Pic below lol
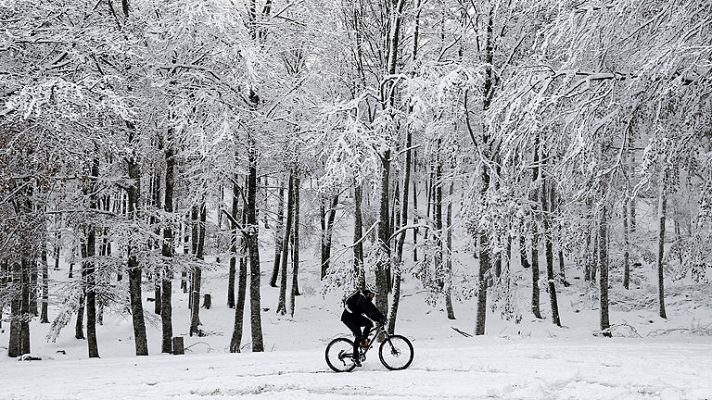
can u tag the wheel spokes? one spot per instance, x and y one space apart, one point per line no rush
339 355
396 353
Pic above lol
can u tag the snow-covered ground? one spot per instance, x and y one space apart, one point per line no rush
657 358
456 368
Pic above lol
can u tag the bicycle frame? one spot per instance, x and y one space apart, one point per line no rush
373 335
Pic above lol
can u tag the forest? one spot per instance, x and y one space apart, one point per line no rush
496 150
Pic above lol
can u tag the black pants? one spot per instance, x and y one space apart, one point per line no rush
356 322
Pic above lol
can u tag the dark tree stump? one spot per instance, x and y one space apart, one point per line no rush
178 346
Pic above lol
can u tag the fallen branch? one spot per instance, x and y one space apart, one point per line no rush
632 331
463 333
209 348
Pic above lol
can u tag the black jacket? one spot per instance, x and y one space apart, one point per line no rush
359 304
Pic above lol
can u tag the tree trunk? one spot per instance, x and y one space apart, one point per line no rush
603 266
383 262
19 342
360 272
484 265
384 233
295 249
91 295
448 262
556 210
594 265
278 238
27 262
626 246
484 259
282 305
90 268
156 203
632 199
33 307
57 252
134 269
535 236
438 217
236 340
415 216
254 250
15 343
662 214
198 270
104 252
44 318
523 249
185 240
626 227
328 231
400 241
79 326
549 244
194 234
234 247
4 279
167 251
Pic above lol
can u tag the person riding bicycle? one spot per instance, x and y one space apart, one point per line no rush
359 312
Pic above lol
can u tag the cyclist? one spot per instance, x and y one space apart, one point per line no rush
359 312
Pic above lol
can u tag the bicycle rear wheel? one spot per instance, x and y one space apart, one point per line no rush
339 355
396 352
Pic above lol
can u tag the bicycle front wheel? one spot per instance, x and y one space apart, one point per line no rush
339 355
396 352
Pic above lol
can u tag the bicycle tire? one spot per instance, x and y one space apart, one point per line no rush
335 345
396 345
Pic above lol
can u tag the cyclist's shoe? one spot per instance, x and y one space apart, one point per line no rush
365 343
357 362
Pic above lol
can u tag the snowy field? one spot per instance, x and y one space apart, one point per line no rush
454 369
651 358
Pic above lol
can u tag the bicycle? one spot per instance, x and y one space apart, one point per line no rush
395 351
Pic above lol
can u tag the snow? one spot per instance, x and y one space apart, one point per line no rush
464 368
657 358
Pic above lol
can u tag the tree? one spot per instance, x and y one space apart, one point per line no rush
168 249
